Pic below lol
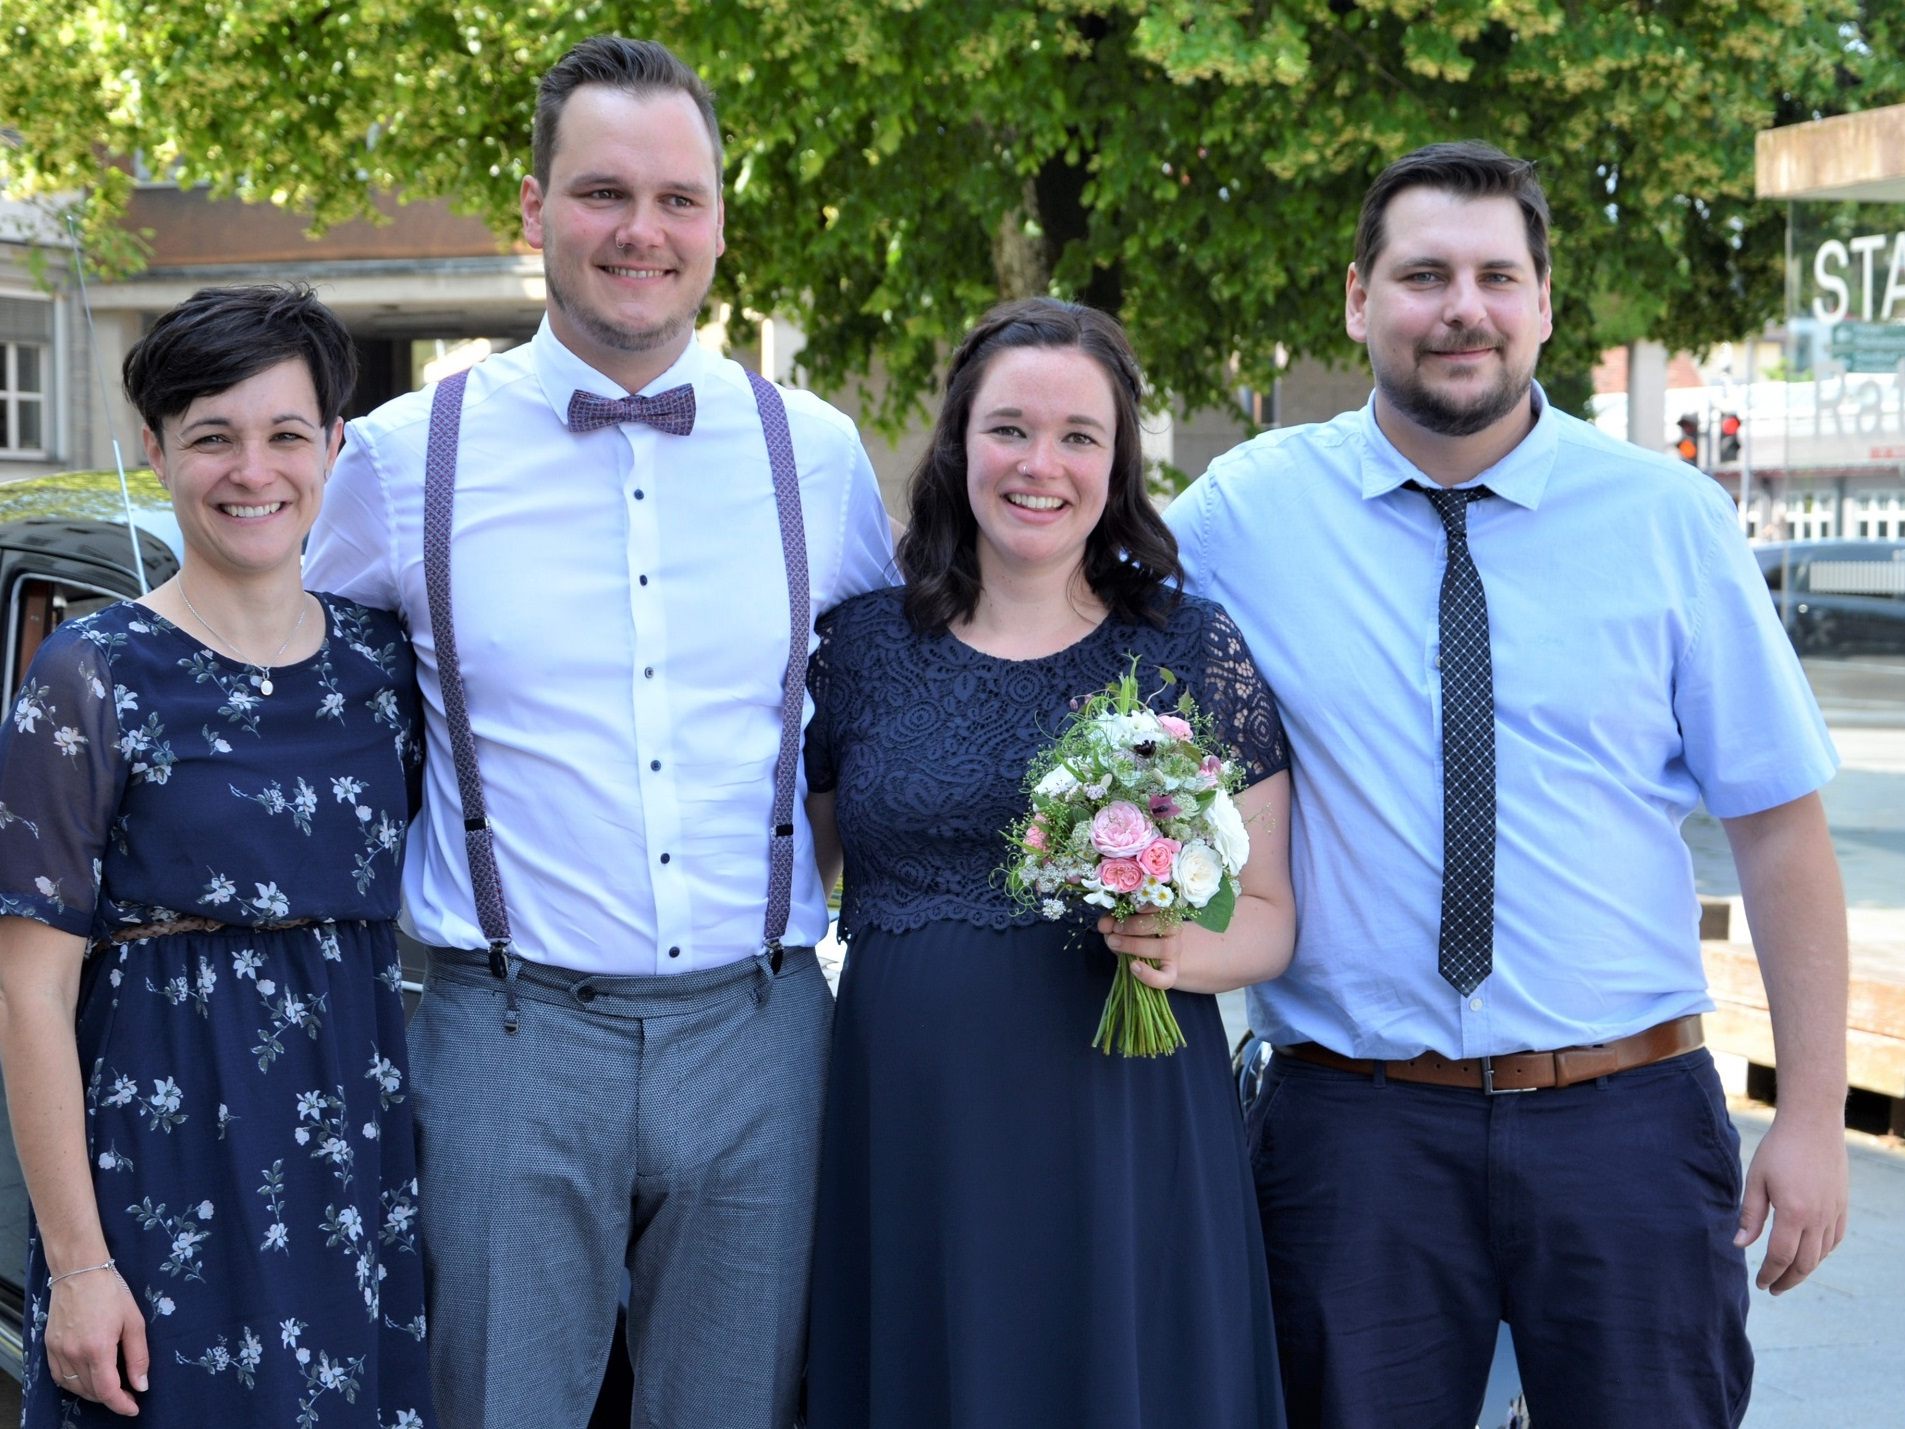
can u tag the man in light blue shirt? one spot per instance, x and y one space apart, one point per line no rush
1635 670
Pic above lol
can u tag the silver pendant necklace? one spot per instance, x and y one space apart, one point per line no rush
263 678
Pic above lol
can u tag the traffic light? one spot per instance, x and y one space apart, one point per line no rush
1730 436
1688 447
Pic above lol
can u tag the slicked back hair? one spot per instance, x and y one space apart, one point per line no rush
219 337
641 68
1467 168
1130 557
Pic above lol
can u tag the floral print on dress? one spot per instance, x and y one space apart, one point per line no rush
247 1097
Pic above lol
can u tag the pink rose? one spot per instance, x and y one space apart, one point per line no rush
1175 727
1157 857
1035 835
1210 771
1120 875
1120 829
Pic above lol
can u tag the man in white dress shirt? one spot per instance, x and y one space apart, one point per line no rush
621 606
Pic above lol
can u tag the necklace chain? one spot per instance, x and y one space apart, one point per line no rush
264 681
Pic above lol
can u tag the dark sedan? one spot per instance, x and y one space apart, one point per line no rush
1838 597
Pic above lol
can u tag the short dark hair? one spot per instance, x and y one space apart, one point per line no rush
1468 168
219 337
637 67
1130 557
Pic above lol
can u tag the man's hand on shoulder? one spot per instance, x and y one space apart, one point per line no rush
1799 1176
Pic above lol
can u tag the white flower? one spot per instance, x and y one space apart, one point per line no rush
301 1135
270 900
346 789
1057 784
218 890
204 1210
1198 872
1227 831
288 1332
69 741
47 887
1052 908
1154 894
351 1221
304 1355
164 1305
266 986
277 1237
370 1131
246 962
165 1095
105 1161
310 1106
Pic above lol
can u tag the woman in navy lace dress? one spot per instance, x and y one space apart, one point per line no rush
202 803
1017 1230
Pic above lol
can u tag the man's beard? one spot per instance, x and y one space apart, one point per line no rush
1449 417
612 335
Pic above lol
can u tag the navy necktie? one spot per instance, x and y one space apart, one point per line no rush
1466 951
672 411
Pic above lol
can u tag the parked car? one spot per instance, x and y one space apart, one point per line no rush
1838 597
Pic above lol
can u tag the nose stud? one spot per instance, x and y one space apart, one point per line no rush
1024 469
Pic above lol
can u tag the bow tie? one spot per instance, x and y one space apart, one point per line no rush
672 411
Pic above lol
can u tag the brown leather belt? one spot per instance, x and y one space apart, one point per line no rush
1524 1071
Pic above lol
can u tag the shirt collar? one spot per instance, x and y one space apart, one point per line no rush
1521 476
562 374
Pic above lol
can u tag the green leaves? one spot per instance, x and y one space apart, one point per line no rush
1197 164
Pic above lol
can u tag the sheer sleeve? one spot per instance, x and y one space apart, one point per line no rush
62 775
822 776
1234 695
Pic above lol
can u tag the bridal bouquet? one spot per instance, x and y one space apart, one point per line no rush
1131 812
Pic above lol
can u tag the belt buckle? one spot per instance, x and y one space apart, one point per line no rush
1489 1089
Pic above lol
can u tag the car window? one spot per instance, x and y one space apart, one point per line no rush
38 606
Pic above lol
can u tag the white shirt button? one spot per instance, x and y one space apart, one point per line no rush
1474 1004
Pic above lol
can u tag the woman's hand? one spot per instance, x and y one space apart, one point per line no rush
1141 939
92 1319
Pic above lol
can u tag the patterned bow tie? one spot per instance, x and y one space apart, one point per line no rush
672 411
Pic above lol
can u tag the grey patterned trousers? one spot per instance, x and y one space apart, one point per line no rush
667 1124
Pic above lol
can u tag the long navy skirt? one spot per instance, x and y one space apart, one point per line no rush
1015 1229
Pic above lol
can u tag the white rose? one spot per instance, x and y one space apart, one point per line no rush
1198 872
1227 831
1057 784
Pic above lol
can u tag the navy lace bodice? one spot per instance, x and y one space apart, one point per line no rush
925 742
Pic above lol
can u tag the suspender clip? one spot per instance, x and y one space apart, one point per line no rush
772 947
499 958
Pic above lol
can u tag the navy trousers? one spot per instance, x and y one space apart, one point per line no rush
1403 1222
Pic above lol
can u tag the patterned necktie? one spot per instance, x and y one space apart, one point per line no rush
672 411
1466 951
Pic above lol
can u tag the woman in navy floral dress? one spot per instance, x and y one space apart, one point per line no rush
1017 1231
203 796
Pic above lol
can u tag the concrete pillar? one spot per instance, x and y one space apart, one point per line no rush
1647 394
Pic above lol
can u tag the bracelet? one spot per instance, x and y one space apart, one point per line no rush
109 1264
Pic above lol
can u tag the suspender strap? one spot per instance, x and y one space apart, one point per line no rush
439 499
439 503
800 621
